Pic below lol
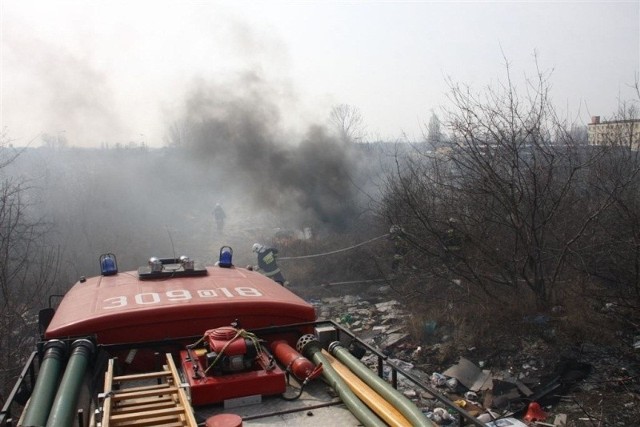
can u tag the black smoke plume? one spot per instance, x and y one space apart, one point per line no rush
237 135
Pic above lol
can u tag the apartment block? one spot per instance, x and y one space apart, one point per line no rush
622 133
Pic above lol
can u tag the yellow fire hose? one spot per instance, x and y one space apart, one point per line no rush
373 400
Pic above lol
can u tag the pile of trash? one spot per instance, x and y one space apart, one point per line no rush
530 392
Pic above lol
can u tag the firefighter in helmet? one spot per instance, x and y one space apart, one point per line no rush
267 263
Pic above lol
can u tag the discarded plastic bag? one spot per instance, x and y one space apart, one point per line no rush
438 379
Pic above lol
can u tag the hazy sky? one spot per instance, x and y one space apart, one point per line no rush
118 71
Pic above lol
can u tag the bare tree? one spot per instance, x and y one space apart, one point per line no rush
57 141
347 122
177 134
504 210
434 135
28 268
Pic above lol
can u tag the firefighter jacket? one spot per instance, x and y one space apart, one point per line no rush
267 261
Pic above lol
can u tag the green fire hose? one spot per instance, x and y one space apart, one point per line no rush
39 405
63 411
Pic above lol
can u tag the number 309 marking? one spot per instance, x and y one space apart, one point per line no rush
149 298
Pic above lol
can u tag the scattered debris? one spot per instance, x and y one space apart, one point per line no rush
499 386
470 375
506 422
535 413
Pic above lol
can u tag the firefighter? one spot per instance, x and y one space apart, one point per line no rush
400 247
452 240
267 263
220 216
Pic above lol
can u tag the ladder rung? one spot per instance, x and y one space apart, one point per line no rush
142 406
175 411
144 376
142 388
143 393
152 422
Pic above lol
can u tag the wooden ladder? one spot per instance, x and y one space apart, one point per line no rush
161 404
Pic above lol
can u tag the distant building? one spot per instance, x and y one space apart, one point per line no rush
622 133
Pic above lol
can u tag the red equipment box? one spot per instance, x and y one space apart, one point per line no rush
207 388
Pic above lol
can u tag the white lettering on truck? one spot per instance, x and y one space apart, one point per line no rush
150 298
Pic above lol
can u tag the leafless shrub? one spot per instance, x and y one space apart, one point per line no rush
501 216
28 268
